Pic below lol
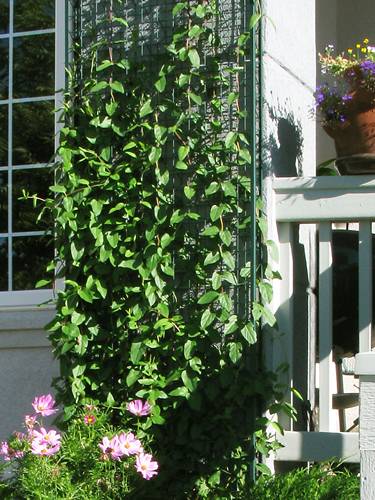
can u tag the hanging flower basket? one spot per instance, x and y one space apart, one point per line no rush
346 106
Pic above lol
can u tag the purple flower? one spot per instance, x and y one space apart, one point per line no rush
368 68
146 466
129 444
51 437
111 448
44 405
5 451
139 408
43 449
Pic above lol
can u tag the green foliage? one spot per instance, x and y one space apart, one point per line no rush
152 211
321 482
78 470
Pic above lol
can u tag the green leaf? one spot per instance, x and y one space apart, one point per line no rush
189 192
105 64
178 8
188 382
210 231
231 326
86 295
226 237
154 155
166 239
212 188
230 140
216 212
146 109
266 291
208 297
183 80
194 58
211 258
183 151
43 283
117 87
207 318
254 19
180 391
216 280
99 86
137 351
249 334
196 98
189 347
200 11
268 316
180 165
160 84
235 351
132 377
229 260
110 400
111 108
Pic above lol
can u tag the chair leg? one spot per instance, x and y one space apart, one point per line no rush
340 390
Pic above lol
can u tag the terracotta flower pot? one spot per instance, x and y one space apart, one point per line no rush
355 137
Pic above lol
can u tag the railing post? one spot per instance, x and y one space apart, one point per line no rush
365 368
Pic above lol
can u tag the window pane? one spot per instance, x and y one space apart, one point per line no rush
33 70
3 135
4 16
34 14
30 257
33 181
33 133
3 202
3 264
4 68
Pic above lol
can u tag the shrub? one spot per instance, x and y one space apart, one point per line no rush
321 482
92 459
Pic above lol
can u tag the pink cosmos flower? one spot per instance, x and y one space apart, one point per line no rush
5 451
30 421
8 453
44 405
146 466
111 448
43 449
50 438
89 419
129 444
139 408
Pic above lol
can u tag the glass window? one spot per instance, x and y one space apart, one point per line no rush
27 137
4 16
34 14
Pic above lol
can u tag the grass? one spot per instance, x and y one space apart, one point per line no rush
325 481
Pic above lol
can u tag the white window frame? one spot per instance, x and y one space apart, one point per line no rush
32 298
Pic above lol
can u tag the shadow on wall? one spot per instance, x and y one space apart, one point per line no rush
284 151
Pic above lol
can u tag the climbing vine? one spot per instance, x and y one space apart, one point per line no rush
151 204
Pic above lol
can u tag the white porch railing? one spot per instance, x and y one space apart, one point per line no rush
318 203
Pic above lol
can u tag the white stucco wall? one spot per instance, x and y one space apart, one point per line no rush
341 23
26 364
288 85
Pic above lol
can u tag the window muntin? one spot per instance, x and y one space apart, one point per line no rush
27 136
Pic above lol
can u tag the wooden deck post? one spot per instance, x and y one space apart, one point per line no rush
365 368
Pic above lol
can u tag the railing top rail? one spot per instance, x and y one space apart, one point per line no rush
315 199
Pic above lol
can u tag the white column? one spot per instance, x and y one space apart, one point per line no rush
365 368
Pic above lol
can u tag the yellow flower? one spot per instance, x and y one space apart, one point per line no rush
366 41
363 49
358 45
350 51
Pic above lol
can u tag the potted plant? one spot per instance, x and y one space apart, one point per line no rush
346 105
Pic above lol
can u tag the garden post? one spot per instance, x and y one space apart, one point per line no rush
365 368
